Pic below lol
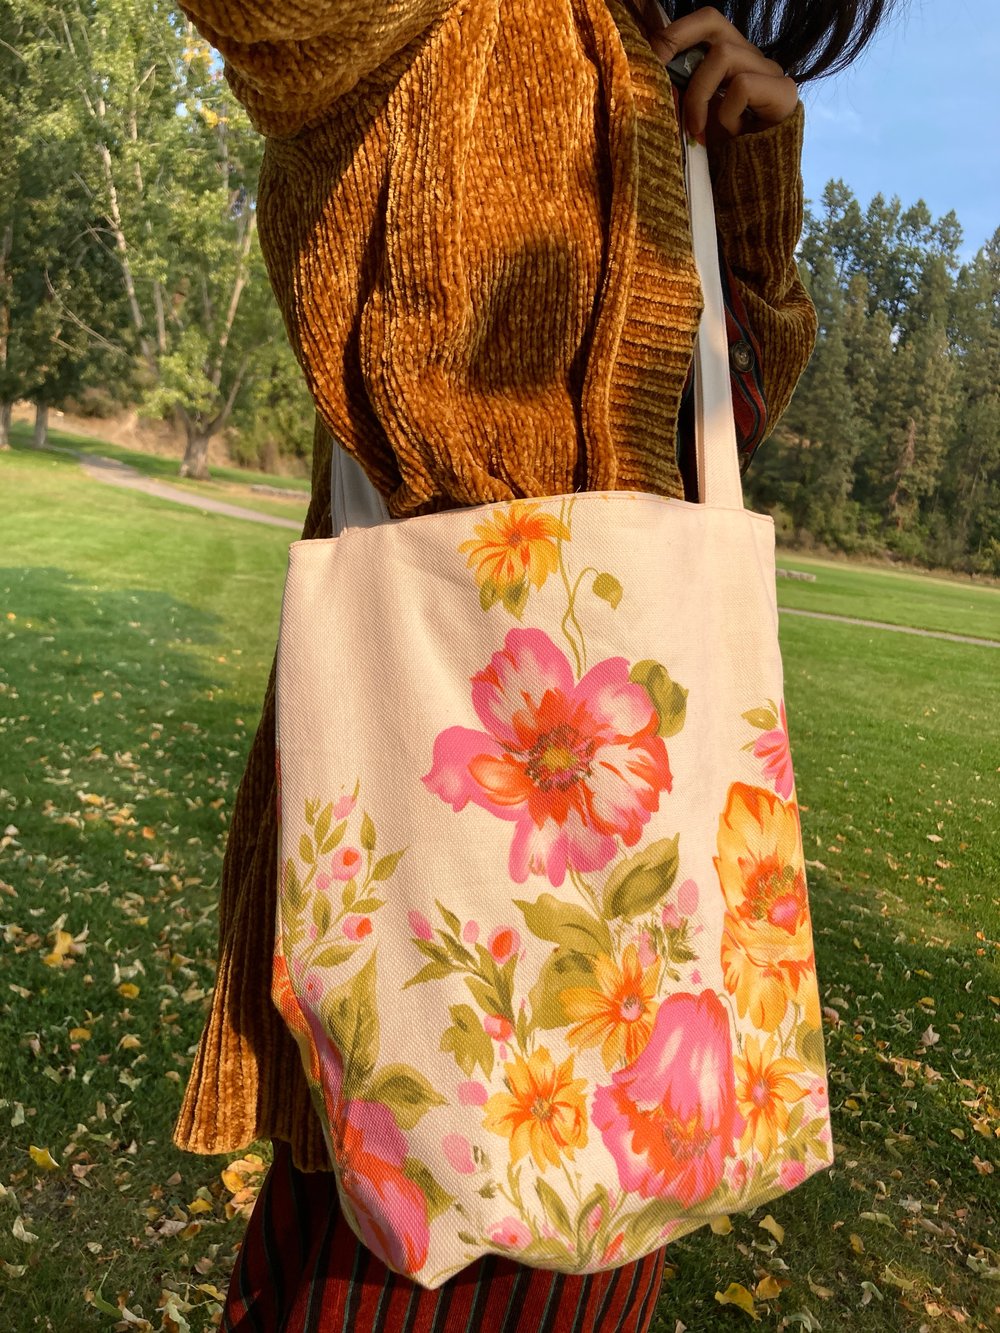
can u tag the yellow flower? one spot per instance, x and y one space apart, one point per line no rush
619 1012
767 947
515 548
543 1112
764 1088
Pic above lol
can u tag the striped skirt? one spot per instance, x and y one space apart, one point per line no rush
301 1270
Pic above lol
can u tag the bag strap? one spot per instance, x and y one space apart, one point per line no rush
716 449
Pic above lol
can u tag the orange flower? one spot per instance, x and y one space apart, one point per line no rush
543 1110
767 948
515 548
619 1012
764 1088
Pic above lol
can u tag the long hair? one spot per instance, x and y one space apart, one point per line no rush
807 38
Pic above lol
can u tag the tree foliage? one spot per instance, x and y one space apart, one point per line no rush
892 440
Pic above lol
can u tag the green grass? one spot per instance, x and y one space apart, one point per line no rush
924 601
135 640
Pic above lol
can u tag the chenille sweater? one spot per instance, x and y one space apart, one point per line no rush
474 220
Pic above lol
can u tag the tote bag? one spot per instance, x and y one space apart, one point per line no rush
543 936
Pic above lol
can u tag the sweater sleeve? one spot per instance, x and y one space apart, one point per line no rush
289 62
759 205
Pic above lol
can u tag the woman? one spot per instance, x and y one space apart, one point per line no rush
474 219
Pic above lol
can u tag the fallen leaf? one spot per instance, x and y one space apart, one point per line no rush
775 1228
721 1225
43 1158
767 1289
20 1233
128 990
739 1296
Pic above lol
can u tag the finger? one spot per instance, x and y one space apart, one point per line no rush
725 62
769 99
704 25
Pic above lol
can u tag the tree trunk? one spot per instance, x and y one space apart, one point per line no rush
195 461
5 414
41 437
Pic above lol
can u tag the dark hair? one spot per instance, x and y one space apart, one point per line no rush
807 38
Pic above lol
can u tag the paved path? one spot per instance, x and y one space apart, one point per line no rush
897 629
120 474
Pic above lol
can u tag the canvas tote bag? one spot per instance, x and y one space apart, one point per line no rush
543 936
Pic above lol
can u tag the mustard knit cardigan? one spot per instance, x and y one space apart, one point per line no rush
473 217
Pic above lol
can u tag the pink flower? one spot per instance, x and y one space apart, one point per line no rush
470 932
819 1095
594 1220
497 1026
459 1153
572 765
346 863
503 943
357 927
323 882
792 1174
420 926
511 1233
343 807
669 917
687 898
737 1175
772 747
696 977
502 1052
472 1093
670 1118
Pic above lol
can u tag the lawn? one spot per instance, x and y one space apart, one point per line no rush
137 636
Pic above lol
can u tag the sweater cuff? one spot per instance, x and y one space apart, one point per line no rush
757 182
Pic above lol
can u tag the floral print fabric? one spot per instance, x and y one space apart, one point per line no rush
543 933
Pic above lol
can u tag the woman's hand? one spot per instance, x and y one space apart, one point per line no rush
735 88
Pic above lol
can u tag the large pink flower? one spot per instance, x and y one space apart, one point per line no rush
670 1118
571 765
772 747
391 1211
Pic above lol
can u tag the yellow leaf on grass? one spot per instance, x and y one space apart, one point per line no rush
767 1289
79 1034
199 1206
734 1294
721 1225
857 1244
60 948
775 1228
128 990
43 1158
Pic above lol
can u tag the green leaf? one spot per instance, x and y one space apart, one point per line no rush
365 905
406 1092
566 924
607 587
488 595
559 972
306 849
809 1045
764 718
291 893
334 954
350 1015
350 894
541 1250
438 1201
323 824
555 1209
644 1227
334 839
597 1198
430 972
321 913
450 919
641 882
367 832
667 697
468 1041
485 996
515 598
385 867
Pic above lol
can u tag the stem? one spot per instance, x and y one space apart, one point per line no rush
574 1185
569 596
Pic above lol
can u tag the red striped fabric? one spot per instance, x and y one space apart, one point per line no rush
301 1270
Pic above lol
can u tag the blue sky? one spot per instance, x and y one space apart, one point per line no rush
917 116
